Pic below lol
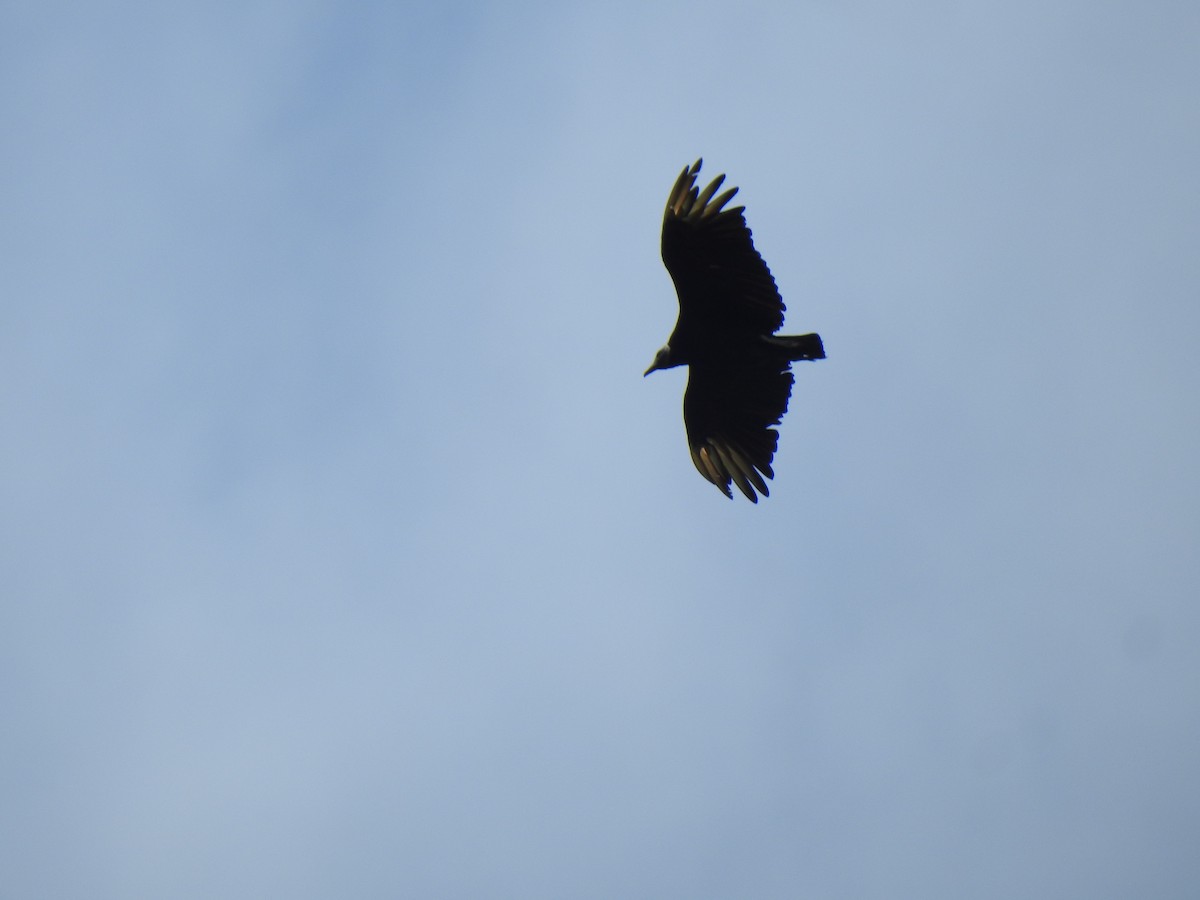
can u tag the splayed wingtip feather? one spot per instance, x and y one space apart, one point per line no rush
708 192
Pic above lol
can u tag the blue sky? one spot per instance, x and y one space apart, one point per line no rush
345 551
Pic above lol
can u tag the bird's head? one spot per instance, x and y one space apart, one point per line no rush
662 360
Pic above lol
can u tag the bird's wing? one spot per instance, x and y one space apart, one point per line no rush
723 284
728 411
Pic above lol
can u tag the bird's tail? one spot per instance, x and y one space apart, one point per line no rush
799 346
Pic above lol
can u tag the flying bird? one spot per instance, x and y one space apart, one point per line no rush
739 370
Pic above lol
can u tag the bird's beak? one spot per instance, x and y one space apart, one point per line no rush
661 358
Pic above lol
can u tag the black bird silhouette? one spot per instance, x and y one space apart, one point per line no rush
739 378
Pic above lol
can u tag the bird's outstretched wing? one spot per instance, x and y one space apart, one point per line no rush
724 286
729 412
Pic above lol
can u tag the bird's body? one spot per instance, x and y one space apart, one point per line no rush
739 377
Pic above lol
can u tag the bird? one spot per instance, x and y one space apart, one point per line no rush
739 369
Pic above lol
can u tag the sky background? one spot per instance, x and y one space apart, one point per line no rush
344 550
